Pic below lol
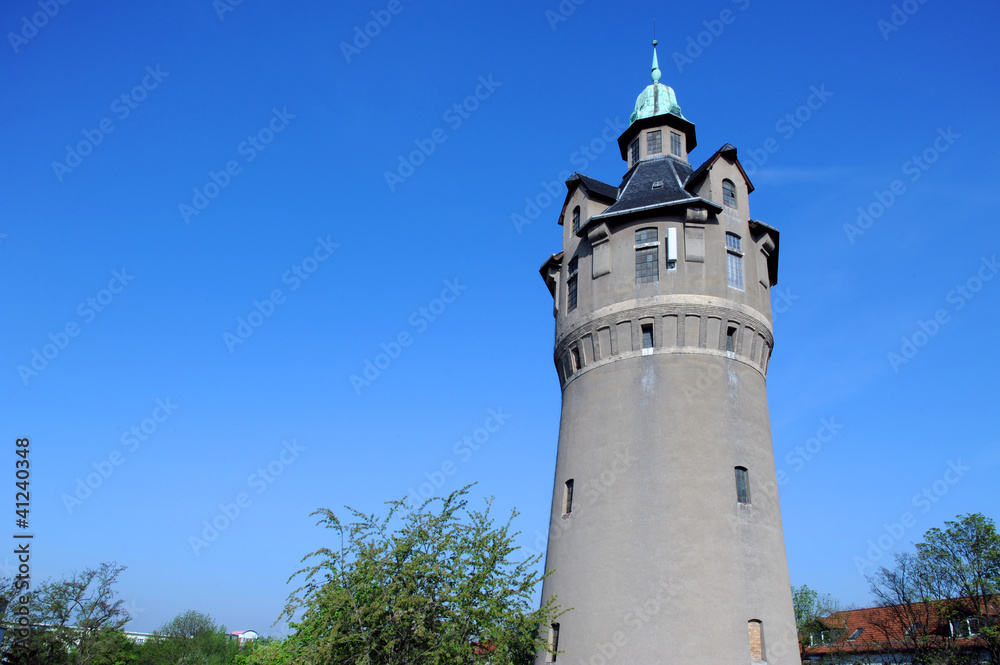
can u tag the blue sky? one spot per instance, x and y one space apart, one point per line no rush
200 235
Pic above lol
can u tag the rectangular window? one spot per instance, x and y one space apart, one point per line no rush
734 259
576 358
647 266
731 339
675 143
646 236
571 284
634 149
568 498
742 485
576 219
647 336
654 143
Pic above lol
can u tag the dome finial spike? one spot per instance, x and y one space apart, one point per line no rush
656 65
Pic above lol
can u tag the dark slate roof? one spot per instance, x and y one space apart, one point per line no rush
636 192
596 186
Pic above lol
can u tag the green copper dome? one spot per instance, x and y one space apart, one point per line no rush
656 99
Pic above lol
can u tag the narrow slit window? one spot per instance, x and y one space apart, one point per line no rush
731 333
647 336
575 352
742 485
654 143
568 498
571 284
675 143
734 260
576 219
756 629
553 643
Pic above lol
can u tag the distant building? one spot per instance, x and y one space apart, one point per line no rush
901 634
243 636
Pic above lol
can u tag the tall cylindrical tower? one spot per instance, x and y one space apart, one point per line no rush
665 535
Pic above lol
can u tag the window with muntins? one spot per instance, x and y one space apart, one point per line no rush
734 260
647 249
572 284
634 149
742 485
576 219
654 143
675 143
729 193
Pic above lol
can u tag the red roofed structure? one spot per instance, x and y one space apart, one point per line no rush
921 631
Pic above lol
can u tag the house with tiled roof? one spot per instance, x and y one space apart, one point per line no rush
922 631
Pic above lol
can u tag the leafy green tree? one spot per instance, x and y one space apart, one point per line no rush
420 585
954 575
77 620
189 638
809 608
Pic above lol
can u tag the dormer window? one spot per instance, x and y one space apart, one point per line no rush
729 193
654 142
576 219
658 184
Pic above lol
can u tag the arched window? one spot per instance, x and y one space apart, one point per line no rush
729 193
576 219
